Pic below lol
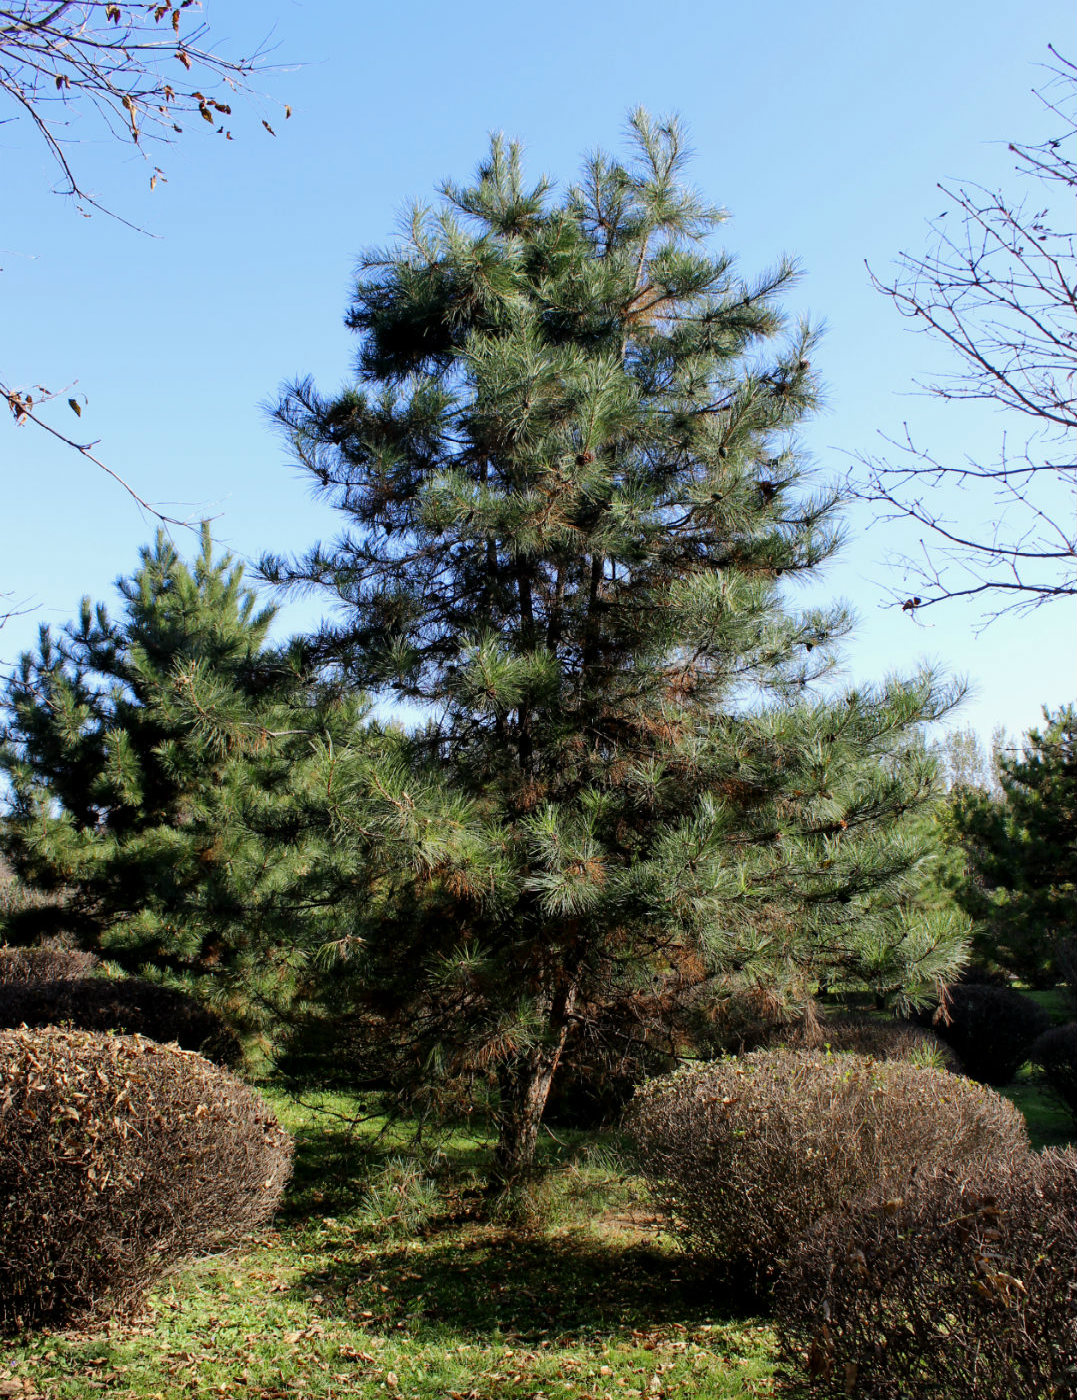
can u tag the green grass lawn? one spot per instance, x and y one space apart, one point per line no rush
1049 1124
388 1273
1054 1000
354 1295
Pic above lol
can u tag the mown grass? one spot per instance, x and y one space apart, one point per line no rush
390 1273
1054 1000
413 1291
1049 1124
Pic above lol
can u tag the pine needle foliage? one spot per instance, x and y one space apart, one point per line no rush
1021 883
575 513
160 765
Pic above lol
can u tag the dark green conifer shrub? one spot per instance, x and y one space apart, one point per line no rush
1066 957
959 1289
48 962
746 1154
160 786
130 1005
1055 1054
603 1063
979 975
317 1048
990 1029
119 1158
1021 849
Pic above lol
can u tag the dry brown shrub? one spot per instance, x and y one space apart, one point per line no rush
857 1033
746 1154
50 962
128 1005
120 1158
960 1289
17 899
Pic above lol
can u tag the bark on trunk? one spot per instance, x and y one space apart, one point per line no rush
525 1088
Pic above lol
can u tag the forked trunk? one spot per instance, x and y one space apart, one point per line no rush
525 1088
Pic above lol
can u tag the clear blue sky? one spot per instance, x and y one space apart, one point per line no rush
822 128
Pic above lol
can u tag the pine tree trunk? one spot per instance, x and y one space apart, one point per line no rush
525 1088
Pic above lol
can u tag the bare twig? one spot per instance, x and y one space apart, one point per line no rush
24 409
139 69
999 287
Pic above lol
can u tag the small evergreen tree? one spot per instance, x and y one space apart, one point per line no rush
576 516
1021 887
156 766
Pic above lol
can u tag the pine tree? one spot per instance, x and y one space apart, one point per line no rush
157 766
1021 885
576 514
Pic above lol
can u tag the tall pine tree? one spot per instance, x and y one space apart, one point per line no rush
159 767
576 516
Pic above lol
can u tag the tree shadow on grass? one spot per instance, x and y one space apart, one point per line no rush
525 1286
329 1170
334 1163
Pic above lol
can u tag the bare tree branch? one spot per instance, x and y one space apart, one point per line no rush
23 408
999 287
139 68
8 609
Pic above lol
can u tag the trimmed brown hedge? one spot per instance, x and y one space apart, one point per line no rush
746 1154
954 1290
49 962
120 1158
128 1005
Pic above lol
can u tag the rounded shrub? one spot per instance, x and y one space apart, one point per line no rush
980 975
1055 1055
990 1029
957 1289
1066 959
746 1154
48 962
120 1158
334 1051
129 1005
